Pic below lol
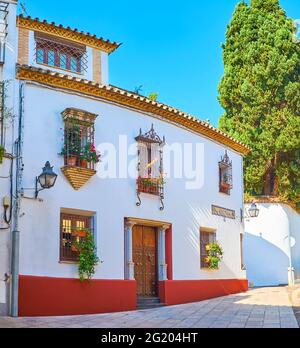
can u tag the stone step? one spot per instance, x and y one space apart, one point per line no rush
149 302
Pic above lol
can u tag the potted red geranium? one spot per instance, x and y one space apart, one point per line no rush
89 155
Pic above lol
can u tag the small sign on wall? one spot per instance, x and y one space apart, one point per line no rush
227 213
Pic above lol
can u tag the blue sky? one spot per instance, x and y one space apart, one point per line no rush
172 47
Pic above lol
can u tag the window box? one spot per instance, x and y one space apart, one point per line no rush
224 187
151 186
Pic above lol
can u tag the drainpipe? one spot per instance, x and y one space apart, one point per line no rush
16 233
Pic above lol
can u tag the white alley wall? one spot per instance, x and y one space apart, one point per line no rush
266 244
7 74
115 199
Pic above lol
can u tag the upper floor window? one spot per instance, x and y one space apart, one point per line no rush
150 165
79 149
225 174
61 54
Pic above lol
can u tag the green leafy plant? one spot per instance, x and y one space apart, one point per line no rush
2 152
90 154
153 96
153 181
72 141
88 259
215 255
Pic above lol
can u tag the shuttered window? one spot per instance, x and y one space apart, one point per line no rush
206 237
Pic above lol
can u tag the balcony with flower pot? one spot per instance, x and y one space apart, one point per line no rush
153 186
80 154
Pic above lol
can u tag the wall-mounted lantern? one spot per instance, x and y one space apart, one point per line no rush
46 179
250 213
253 211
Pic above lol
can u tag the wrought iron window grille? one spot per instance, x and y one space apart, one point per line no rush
225 174
77 136
61 55
150 165
72 229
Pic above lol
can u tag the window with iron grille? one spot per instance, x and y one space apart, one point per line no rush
60 54
78 136
206 238
225 174
78 148
72 229
150 163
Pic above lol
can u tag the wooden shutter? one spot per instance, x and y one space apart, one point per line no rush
155 155
143 160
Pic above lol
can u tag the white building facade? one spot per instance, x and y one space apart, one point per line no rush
167 185
272 245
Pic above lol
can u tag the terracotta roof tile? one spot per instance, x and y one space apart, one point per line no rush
59 30
128 98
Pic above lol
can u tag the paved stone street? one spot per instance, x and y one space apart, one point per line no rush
258 308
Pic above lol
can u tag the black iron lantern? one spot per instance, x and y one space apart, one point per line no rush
253 211
46 179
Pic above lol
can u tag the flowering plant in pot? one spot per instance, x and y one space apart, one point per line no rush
215 255
150 185
89 154
88 259
72 145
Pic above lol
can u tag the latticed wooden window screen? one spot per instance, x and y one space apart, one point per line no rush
206 237
72 228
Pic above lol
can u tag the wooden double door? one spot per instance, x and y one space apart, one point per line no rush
145 259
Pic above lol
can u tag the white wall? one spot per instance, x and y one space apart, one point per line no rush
114 199
266 244
7 74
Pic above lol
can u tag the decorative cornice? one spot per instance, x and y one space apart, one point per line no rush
66 33
77 176
81 115
125 98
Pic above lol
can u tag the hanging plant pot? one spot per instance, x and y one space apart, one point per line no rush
225 186
71 161
79 233
83 163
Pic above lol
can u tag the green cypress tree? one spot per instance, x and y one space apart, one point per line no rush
260 92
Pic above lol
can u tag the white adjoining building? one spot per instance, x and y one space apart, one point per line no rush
150 216
272 244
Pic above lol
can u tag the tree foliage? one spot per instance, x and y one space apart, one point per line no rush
260 92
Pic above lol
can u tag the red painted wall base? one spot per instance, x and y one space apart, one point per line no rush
173 292
43 296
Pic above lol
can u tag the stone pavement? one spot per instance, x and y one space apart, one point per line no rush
257 308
